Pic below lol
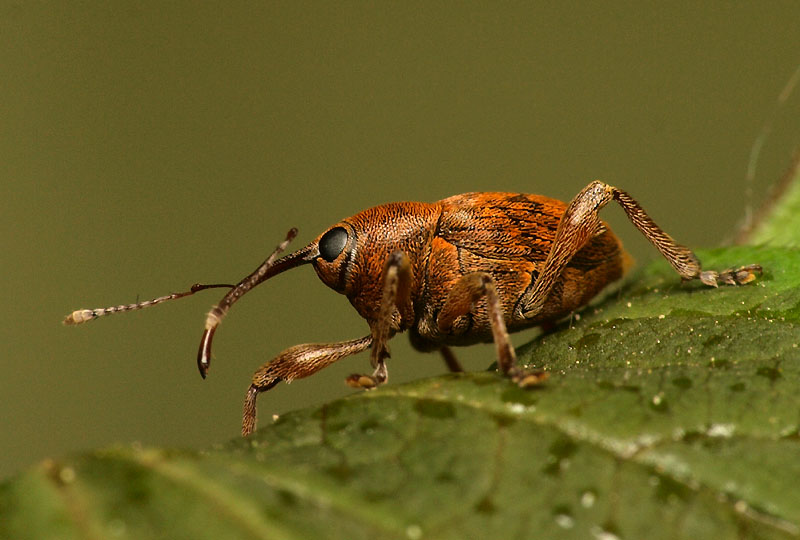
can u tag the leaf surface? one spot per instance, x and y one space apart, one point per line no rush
672 411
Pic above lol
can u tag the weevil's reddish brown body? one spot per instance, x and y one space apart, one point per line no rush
506 235
465 269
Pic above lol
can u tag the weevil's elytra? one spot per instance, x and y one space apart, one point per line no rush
462 270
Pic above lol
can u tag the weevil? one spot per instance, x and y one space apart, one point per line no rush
470 268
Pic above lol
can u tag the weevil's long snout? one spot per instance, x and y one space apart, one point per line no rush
266 270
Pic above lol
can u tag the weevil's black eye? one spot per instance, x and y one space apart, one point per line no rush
332 243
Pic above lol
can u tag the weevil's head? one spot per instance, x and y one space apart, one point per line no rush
349 257
351 254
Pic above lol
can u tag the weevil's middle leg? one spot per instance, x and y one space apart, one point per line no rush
397 277
580 222
460 301
295 363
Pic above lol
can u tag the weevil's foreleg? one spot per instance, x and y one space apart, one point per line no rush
295 363
580 222
461 300
396 299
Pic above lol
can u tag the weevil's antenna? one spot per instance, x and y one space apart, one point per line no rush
83 315
268 268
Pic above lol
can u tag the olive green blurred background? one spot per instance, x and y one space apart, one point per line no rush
148 146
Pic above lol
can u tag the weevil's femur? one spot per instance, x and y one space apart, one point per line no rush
266 270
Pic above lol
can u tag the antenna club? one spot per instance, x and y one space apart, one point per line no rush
79 316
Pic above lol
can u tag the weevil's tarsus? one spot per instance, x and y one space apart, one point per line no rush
732 276
527 379
270 267
360 381
83 315
367 382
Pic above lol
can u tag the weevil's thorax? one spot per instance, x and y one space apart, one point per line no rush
353 252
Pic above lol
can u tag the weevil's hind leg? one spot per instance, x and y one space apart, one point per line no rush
448 356
396 299
681 258
295 363
460 301
580 222
450 360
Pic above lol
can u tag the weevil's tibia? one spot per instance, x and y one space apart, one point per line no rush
295 363
83 315
266 270
460 300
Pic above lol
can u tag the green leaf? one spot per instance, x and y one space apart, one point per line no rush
674 405
672 411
